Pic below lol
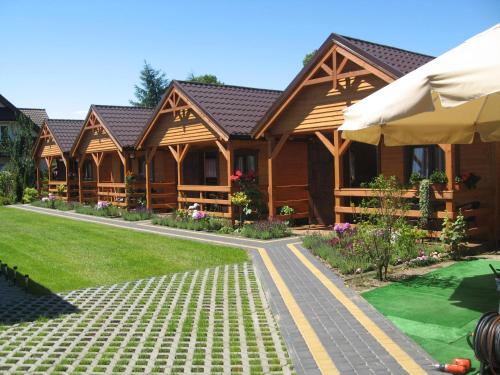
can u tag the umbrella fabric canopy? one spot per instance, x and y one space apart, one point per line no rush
444 101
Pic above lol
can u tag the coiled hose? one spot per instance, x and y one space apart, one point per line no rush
486 343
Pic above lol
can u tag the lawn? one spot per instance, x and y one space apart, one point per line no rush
438 309
64 255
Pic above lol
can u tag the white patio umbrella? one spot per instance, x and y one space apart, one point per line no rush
444 101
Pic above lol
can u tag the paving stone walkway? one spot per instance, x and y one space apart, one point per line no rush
213 321
321 320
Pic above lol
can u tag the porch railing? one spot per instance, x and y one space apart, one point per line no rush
350 199
294 196
163 195
214 199
69 191
118 194
88 191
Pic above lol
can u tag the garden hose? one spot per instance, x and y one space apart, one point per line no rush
486 343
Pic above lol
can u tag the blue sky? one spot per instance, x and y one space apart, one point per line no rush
66 55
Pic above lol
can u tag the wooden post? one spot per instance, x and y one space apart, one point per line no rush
229 160
270 188
149 157
449 165
338 176
66 175
38 185
80 167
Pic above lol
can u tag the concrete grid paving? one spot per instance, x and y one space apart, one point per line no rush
343 337
213 321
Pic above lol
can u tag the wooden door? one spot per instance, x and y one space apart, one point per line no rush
320 167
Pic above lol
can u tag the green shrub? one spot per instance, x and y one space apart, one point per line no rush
7 187
30 195
438 177
136 215
182 219
340 257
266 229
110 211
5 201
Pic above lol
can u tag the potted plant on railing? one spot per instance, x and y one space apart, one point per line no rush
470 180
414 180
438 180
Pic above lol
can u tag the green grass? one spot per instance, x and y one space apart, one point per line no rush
62 254
438 309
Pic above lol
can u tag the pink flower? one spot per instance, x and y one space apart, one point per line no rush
341 228
197 215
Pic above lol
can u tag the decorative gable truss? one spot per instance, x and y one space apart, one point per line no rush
340 64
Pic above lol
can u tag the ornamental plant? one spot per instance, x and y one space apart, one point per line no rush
30 195
61 189
242 201
415 179
424 202
247 183
454 233
438 177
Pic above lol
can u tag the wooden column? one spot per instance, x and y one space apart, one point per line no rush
81 161
179 156
38 185
270 188
228 155
66 175
149 157
340 147
449 165
97 160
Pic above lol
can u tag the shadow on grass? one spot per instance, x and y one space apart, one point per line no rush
38 303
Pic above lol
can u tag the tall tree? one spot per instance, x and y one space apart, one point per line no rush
308 57
19 147
205 78
152 86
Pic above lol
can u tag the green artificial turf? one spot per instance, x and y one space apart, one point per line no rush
438 309
62 254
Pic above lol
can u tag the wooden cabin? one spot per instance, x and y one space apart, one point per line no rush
53 146
198 137
312 169
109 167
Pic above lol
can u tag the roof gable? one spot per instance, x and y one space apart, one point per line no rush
388 63
64 132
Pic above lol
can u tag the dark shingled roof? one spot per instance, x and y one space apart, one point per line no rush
395 62
235 109
65 132
398 61
37 115
124 123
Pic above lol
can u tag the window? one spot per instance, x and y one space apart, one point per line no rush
87 170
245 161
210 168
425 160
4 132
141 169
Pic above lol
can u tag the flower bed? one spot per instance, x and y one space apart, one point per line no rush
194 219
356 250
266 230
57 204
103 209
137 215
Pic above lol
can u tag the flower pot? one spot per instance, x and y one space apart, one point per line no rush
457 186
439 187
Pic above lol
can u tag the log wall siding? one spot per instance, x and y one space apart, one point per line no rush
49 148
497 186
291 169
92 142
392 162
188 129
319 107
165 167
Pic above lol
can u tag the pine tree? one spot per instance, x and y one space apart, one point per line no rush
205 78
308 57
152 86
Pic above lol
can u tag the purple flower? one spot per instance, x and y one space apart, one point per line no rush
334 241
341 228
197 215
102 205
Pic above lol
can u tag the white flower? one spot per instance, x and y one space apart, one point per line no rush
194 207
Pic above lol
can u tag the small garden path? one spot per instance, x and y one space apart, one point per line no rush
327 327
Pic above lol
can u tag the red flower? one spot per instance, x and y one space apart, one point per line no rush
250 175
236 176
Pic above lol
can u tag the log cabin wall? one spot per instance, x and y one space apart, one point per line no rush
184 127
392 162
496 149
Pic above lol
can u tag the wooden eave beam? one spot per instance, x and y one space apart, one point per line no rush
184 152
150 154
357 60
326 142
223 150
344 146
175 154
280 145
